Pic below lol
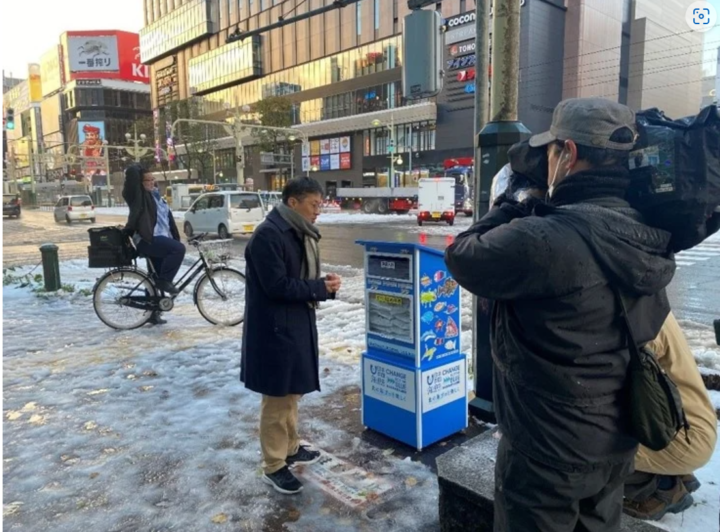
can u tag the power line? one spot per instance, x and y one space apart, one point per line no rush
539 80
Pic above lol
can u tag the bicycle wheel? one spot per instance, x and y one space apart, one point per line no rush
113 290
220 296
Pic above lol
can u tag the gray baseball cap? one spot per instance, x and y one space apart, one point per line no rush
589 122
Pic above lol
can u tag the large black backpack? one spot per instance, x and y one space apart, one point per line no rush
675 173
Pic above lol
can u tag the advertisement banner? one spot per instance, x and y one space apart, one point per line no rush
335 161
51 72
314 147
90 140
345 161
325 147
34 82
93 53
324 163
306 149
315 161
344 144
335 145
105 54
131 69
306 164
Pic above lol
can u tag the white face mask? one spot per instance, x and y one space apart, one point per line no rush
564 156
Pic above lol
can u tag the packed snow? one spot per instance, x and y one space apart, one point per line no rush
152 430
124 211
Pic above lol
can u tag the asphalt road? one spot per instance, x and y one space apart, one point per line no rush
694 293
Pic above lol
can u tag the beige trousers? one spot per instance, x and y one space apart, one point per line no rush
278 430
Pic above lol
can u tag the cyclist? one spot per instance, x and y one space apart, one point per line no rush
153 229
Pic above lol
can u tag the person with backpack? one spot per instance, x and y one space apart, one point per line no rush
560 275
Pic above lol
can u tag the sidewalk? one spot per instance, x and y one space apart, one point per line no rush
152 430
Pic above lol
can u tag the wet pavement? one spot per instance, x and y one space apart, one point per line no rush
694 292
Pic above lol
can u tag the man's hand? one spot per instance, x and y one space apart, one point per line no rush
333 283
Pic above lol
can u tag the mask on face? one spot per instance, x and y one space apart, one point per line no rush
564 156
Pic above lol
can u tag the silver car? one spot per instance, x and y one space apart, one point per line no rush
74 209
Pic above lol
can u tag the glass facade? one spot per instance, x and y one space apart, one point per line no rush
187 23
233 62
362 61
418 135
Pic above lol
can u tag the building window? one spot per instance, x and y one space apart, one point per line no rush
463 6
418 136
358 16
377 15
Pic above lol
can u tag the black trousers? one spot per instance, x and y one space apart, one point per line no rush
530 496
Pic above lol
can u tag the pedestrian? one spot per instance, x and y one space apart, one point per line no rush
152 226
280 340
663 480
559 345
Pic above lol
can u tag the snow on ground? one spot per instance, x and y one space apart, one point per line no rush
124 211
704 345
152 430
356 217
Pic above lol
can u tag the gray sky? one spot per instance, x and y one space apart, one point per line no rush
31 27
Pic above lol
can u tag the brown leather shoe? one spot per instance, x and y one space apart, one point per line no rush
675 500
692 484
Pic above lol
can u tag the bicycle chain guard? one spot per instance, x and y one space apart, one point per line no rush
166 304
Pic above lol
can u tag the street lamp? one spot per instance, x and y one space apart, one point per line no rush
391 147
136 150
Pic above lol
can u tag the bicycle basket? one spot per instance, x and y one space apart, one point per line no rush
216 251
109 248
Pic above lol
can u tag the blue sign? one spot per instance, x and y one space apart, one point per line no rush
324 162
461 62
370 96
470 88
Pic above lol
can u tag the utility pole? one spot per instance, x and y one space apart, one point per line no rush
493 142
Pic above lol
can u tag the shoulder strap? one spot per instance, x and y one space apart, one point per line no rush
632 344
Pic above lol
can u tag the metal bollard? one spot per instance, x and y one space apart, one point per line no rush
51 267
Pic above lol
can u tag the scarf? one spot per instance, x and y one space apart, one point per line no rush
610 182
310 237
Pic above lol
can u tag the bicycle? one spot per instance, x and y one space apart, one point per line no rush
139 297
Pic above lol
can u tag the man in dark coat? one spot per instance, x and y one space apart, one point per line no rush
559 344
153 228
280 339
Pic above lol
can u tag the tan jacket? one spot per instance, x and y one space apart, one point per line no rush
681 457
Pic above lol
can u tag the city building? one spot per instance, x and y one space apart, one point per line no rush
95 90
21 141
342 71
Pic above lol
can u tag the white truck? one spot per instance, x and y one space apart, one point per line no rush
436 200
382 200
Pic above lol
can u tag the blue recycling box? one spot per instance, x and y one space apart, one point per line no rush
414 374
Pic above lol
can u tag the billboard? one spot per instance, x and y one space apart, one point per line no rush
34 83
93 53
334 154
104 55
51 72
90 141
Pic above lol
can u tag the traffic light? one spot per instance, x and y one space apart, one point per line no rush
10 118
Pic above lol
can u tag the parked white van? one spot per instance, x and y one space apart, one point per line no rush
226 213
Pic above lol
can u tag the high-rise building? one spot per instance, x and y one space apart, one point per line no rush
666 59
342 70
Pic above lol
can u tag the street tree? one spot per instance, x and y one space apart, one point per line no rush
194 145
274 111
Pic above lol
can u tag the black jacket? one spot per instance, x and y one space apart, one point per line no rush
143 211
280 340
558 343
